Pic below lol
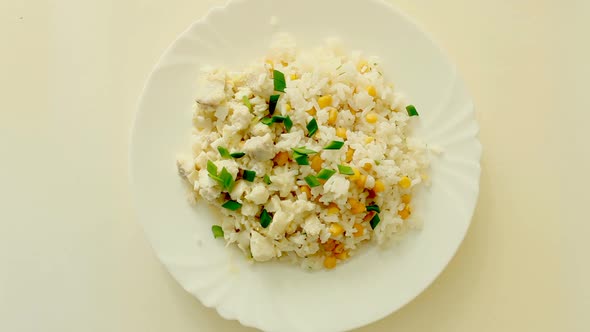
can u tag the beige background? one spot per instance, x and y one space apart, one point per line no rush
74 259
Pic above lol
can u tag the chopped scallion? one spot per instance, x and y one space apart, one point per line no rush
272 103
288 123
249 175
312 181
266 179
266 121
211 168
374 208
346 170
232 205
237 155
325 174
265 218
227 180
334 145
301 159
312 127
375 221
411 110
246 102
223 152
279 81
303 151
217 231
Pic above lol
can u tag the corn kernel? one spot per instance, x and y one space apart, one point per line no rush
306 190
368 167
405 182
333 209
362 66
294 77
316 162
333 116
349 155
330 262
325 101
371 117
336 229
361 181
341 132
379 186
406 198
405 213
356 175
360 230
371 91
311 111
281 158
356 207
287 107
369 139
342 256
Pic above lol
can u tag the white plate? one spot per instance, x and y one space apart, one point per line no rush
280 297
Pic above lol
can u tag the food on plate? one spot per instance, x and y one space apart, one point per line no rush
308 154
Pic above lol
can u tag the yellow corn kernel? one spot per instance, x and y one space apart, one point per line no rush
333 116
341 132
281 158
362 66
325 101
369 139
330 262
406 198
342 256
360 230
356 175
287 107
356 207
405 213
306 190
405 182
349 154
368 167
311 111
371 91
361 181
333 209
336 229
379 186
294 77
316 162
371 117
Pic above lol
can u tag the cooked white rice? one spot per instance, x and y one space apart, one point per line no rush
322 225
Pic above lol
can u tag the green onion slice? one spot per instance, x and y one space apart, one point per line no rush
223 152
237 155
217 231
272 103
302 150
312 127
227 181
334 145
374 208
346 170
301 159
325 174
265 218
411 110
249 175
266 179
288 123
246 102
232 205
312 181
375 221
211 168
279 81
